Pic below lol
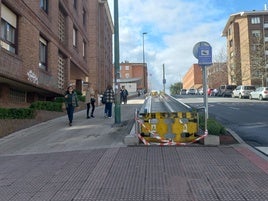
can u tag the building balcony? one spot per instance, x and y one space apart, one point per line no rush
265 25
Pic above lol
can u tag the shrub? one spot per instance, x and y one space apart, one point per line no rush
47 105
214 127
17 113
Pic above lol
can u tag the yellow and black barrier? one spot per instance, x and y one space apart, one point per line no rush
168 127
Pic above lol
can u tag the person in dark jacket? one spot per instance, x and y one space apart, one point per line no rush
71 102
123 95
109 97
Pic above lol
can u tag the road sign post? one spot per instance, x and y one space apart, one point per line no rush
203 52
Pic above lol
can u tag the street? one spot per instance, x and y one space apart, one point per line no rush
247 118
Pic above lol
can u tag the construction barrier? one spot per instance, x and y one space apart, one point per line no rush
168 128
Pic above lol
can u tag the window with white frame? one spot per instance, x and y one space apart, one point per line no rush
126 67
255 20
43 53
8 29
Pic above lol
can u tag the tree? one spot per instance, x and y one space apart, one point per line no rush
175 88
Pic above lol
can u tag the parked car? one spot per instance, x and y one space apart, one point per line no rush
183 91
243 91
226 90
209 91
260 93
192 91
200 91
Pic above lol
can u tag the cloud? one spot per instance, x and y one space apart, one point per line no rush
173 27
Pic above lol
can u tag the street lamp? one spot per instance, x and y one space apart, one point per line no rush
143 47
143 60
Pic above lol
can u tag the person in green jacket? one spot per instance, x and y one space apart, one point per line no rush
71 102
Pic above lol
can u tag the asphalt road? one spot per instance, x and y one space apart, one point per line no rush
248 118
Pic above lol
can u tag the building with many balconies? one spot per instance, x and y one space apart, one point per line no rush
247 48
47 45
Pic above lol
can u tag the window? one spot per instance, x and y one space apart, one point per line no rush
44 5
84 49
127 75
61 26
75 4
127 67
231 43
43 53
61 77
256 33
84 17
74 37
8 29
255 20
229 31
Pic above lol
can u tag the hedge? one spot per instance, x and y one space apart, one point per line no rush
17 113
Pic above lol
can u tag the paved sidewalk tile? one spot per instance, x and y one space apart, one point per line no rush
134 174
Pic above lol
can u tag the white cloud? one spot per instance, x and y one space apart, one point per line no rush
173 27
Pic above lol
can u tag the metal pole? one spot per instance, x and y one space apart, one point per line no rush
143 61
117 108
205 96
164 79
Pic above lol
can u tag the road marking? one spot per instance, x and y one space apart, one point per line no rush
263 150
234 108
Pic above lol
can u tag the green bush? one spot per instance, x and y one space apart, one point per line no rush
47 105
214 127
59 99
17 113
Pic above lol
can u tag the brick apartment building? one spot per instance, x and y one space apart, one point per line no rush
47 45
247 48
193 78
134 76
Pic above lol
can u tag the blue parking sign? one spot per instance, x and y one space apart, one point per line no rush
204 55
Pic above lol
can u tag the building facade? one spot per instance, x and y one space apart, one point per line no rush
133 76
47 45
217 75
247 48
193 78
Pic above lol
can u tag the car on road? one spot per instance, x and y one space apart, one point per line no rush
243 91
226 90
260 93
183 91
209 91
192 91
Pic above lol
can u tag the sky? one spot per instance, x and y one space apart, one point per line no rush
173 27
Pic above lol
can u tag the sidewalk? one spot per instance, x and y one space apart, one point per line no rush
56 162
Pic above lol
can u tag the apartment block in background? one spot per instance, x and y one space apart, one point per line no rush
47 45
247 48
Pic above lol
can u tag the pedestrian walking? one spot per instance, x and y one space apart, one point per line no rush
109 97
71 101
90 101
123 95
